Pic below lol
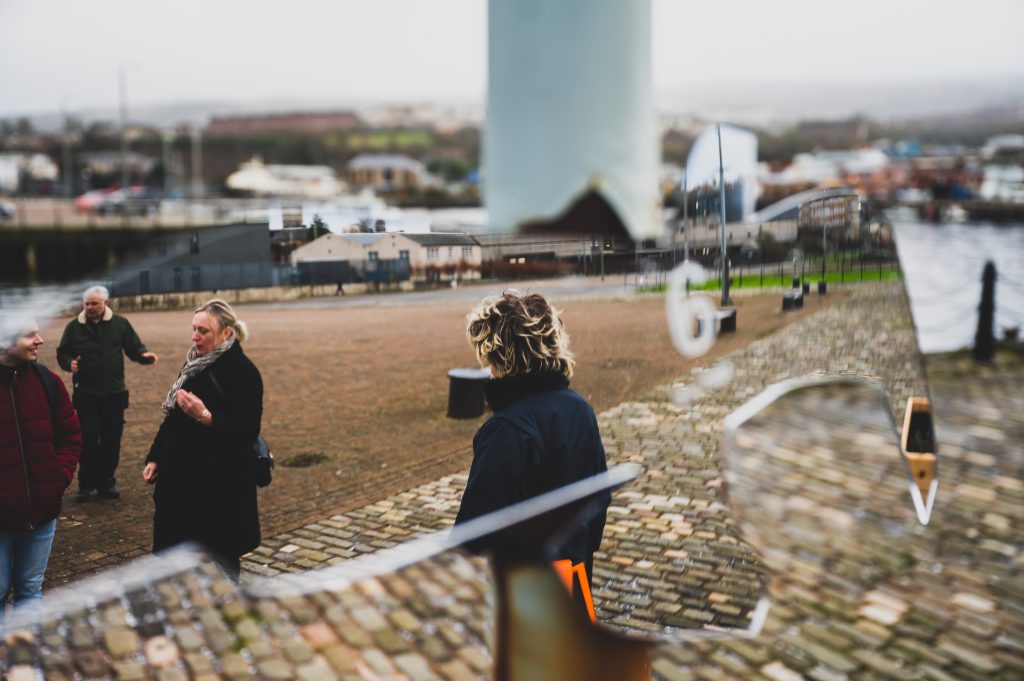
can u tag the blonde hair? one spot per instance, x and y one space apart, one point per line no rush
519 334
225 317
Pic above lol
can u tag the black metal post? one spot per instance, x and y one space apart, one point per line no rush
984 339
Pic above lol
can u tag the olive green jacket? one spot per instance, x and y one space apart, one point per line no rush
100 346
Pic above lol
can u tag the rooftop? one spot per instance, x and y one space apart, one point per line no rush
443 239
382 161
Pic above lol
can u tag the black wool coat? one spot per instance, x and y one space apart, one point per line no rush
542 436
205 486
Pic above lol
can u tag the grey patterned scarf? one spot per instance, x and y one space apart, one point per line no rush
194 364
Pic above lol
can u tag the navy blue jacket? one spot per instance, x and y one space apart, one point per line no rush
542 436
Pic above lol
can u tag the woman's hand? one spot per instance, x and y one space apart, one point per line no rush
149 473
194 407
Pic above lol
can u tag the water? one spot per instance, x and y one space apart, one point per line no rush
942 266
19 307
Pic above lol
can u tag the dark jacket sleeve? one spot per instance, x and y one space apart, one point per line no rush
67 436
66 350
504 461
240 418
132 344
156 449
596 523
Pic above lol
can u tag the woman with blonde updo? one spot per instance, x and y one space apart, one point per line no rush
202 460
542 435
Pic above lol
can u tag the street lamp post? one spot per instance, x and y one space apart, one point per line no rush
123 100
66 148
721 213
686 216
168 179
824 239
197 162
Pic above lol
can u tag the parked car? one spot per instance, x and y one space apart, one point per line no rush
90 201
6 211
131 201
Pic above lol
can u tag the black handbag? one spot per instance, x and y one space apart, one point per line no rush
264 459
264 462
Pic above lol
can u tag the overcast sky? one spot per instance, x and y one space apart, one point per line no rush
415 50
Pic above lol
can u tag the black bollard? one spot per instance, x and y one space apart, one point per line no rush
466 392
727 324
792 300
985 338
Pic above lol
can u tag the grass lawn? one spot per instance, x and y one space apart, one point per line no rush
753 279
398 139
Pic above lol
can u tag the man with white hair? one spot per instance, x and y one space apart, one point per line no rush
92 349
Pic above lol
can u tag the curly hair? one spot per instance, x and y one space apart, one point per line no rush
519 334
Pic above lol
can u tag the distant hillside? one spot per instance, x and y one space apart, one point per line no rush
766 105
771 105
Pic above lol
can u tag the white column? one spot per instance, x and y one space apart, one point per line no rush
570 108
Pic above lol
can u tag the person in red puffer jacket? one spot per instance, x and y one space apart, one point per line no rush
39 449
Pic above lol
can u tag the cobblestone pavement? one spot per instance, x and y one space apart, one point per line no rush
348 434
859 590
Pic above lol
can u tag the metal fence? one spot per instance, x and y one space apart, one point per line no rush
326 272
839 268
193 278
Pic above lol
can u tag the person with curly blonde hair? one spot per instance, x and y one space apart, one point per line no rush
543 435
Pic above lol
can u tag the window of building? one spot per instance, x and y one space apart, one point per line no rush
467 251
403 255
373 255
193 244
432 252
450 251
